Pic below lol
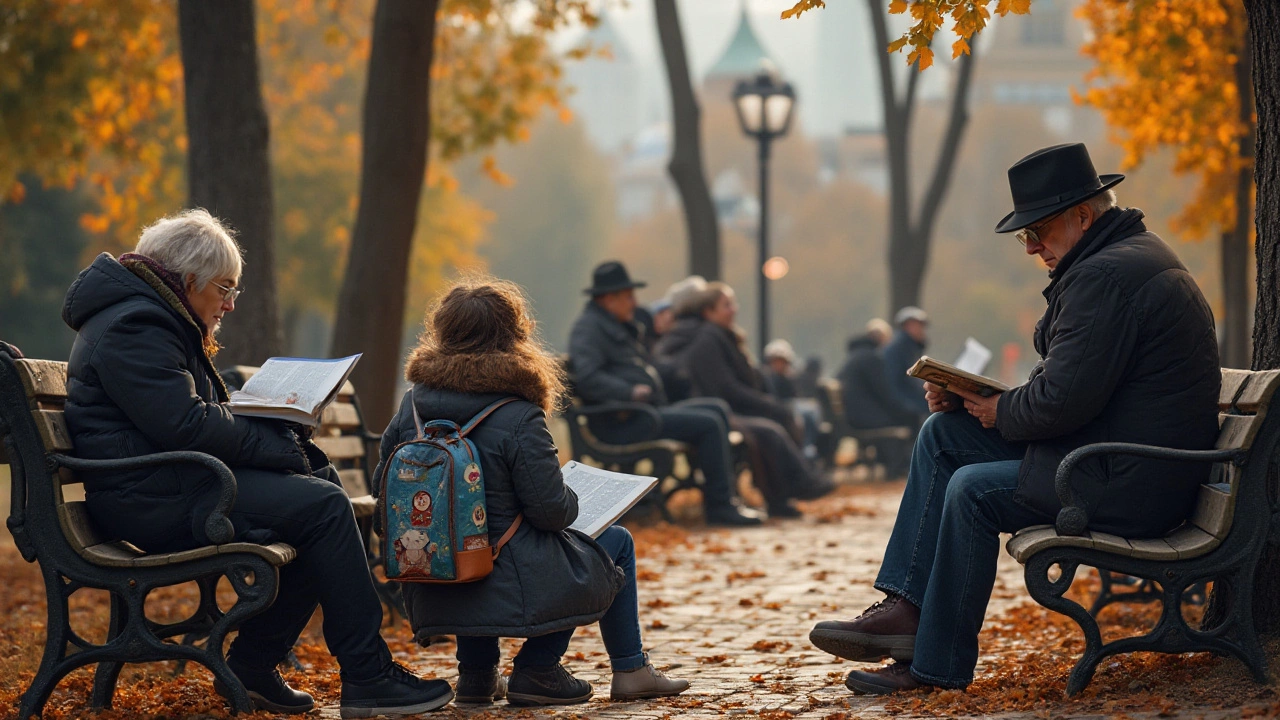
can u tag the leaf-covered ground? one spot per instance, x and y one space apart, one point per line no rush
730 611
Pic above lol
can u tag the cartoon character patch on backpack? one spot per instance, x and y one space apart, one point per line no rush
435 523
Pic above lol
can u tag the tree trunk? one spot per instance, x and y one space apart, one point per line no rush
393 168
910 238
685 166
1235 243
228 166
1264 46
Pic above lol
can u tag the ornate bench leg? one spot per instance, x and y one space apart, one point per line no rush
1049 593
53 665
108 672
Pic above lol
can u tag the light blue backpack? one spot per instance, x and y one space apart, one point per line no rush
435 525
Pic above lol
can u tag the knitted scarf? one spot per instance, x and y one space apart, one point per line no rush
169 286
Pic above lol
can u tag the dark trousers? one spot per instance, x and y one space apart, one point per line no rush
619 628
331 571
784 473
704 423
946 540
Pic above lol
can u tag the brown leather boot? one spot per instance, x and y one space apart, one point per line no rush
886 629
883 680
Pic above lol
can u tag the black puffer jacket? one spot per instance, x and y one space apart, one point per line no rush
609 359
547 578
869 401
1128 355
139 382
719 368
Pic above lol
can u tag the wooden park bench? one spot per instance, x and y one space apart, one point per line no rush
674 463
1221 542
872 443
73 554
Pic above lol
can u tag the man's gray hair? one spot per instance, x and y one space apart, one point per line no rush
1102 202
193 242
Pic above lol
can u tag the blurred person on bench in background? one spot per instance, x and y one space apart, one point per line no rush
709 347
611 364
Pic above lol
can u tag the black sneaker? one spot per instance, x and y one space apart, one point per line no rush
479 688
396 692
546 686
268 691
733 516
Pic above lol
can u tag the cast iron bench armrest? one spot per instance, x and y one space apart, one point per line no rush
645 410
217 526
1072 518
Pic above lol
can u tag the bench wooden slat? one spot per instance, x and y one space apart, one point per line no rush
1190 541
1153 549
1233 382
1237 431
364 505
78 526
43 378
354 482
341 415
341 447
1213 510
53 430
1257 394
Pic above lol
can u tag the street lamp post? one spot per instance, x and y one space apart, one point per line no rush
764 106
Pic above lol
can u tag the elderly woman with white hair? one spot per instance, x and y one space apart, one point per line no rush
141 380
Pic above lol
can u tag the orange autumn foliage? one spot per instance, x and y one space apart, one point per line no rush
968 18
1168 75
91 92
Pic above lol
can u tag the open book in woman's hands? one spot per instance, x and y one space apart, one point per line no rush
950 377
294 389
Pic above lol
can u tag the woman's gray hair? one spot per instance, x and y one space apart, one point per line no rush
193 242
1102 202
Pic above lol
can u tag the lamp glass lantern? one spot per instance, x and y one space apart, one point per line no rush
764 105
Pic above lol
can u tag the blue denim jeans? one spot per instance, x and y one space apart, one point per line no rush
945 543
619 628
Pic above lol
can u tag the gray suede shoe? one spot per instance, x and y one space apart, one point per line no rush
643 683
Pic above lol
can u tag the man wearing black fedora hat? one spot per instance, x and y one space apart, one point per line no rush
610 363
1128 354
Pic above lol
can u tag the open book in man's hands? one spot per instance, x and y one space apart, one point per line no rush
950 377
603 496
294 389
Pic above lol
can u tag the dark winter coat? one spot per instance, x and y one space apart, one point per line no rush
1128 355
609 359
547 578
899 355
868 400
139 382
718 367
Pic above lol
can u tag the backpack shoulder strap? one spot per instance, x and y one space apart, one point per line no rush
480 417
413 405
506 536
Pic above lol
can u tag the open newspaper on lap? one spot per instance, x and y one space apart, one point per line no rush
294 389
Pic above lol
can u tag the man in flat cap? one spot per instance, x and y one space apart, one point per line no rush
611 364
1128 354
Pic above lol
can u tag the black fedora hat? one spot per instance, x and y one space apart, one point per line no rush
1050 180
611 277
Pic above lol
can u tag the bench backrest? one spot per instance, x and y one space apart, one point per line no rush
1243 403
831 402
41 518
341 435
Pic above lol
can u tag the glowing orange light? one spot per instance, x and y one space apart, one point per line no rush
776 267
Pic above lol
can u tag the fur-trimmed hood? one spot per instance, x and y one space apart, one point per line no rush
490 373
